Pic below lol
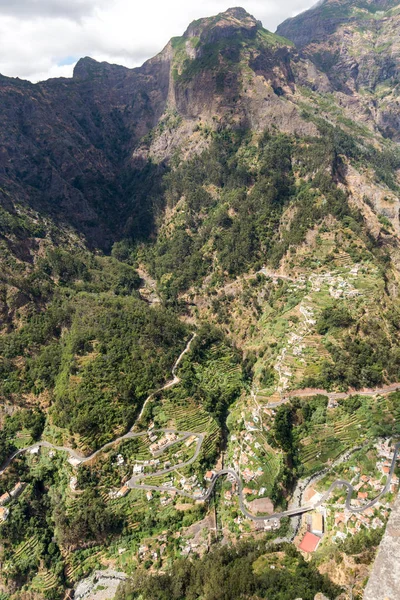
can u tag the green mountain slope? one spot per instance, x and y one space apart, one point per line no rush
184 247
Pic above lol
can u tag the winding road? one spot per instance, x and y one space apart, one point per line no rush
133 483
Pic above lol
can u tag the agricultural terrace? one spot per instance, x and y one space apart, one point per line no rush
327 433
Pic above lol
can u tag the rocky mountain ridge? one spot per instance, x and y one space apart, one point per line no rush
67 145
239 185
355 43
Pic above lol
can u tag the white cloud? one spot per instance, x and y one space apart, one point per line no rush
38 37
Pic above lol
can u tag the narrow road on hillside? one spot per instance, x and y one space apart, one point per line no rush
173 381
288 513
133 483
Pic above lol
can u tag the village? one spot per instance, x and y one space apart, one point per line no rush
164 482
334 519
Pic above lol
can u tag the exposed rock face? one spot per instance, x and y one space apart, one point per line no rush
233 21
70 147
384 582
67 144
356 43
323 19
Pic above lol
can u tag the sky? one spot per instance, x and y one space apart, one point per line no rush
40 39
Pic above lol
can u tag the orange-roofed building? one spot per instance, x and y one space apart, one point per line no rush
362 495
310 542
386 470
340 518
247 491
123 491
5 498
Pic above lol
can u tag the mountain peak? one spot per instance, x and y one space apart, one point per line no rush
238 13
89 68
232 21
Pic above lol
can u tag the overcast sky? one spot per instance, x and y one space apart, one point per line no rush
44 38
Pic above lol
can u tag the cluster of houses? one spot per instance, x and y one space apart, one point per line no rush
7 497
349 523
245 458
146 552
338 286
160 445
366 487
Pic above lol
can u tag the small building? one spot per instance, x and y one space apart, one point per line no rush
340 518
362 495
17 489
4 498
123 491
137 469
209 475
309 543
317 524
4 512
149 495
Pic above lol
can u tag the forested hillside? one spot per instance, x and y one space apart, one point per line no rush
197 257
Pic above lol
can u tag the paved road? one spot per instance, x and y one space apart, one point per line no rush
173 381
182 435
308 393
288 513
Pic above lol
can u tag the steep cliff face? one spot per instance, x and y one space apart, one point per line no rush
327 16
356 44
66 142
75 149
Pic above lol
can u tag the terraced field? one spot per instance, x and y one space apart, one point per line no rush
344 431
44 581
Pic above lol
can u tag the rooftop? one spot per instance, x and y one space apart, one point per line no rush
310 542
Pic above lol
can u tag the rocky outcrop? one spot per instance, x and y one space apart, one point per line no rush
325 18
384 582
356 44
71 148
67 144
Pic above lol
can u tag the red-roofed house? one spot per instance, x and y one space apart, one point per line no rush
362 495
310 542
5 498
340 518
